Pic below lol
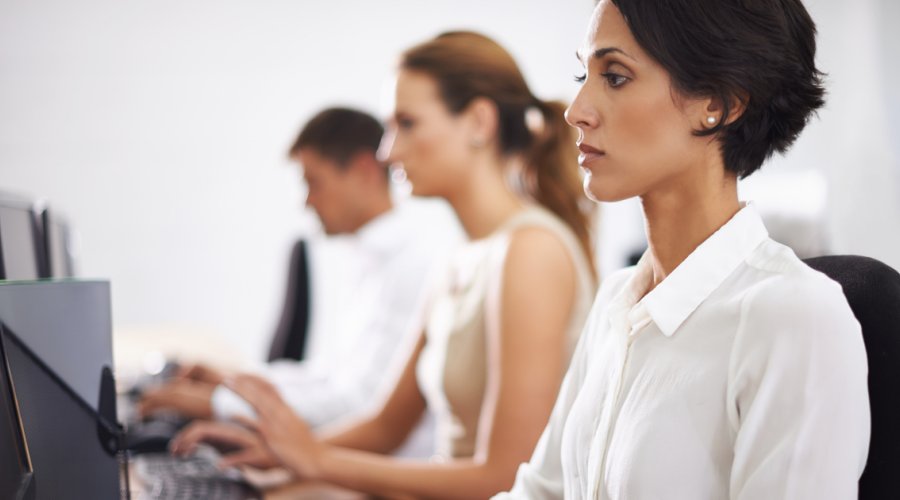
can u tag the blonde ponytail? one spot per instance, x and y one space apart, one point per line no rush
551 172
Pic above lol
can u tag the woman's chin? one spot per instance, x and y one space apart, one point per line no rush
593 189
600 191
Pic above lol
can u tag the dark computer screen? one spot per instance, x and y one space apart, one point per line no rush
15 468
73 450
18 244
68 324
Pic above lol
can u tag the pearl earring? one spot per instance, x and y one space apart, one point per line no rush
711 120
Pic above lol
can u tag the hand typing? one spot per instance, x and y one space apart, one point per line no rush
285 434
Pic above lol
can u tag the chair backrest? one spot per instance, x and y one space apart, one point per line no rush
873 292
289 341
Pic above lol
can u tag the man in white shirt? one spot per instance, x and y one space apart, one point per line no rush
379 258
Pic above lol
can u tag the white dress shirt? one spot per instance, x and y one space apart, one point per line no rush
741 376
366 289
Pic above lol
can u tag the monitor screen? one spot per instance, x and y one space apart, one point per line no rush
59 256
15 467
17 242
73 450
68 324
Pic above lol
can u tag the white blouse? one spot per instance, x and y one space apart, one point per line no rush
742 375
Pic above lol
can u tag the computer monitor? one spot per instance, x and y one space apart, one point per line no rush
16 477
57 244
74 451
21 245
68 324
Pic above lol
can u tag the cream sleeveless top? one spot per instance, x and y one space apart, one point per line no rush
452 368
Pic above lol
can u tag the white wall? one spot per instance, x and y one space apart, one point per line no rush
852 141
160 128
888 17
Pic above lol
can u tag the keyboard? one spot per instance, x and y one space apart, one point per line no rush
194 478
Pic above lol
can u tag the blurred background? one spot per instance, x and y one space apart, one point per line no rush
160 128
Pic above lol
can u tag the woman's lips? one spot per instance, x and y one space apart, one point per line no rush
588 154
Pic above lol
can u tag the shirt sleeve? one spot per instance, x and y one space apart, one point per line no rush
326 391
295 381
323 394
541 478
798 394
226 405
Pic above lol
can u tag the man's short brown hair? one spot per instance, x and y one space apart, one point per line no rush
339 134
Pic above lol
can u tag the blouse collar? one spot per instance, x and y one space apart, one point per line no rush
682 292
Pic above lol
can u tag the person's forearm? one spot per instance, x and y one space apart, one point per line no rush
391 477
365 434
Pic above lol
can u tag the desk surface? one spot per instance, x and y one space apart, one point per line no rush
307 490
137 348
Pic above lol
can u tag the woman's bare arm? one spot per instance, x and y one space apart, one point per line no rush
385 429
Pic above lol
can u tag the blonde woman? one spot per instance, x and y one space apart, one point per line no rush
503 321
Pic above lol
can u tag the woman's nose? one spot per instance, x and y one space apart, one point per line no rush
580 114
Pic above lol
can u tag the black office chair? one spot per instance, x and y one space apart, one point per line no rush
289 341
873 291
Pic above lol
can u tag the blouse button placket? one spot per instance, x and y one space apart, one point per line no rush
612 400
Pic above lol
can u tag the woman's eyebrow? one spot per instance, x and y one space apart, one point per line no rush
601 53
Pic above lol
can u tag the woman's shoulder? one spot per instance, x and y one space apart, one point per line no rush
535 216
531 248
536 224
791 285
795 306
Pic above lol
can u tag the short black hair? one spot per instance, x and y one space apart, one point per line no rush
761 52
339 134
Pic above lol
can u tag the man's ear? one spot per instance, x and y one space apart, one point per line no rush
365 163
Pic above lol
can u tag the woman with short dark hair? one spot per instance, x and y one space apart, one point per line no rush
720 366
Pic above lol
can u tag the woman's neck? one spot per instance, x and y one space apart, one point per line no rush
679 218
483 203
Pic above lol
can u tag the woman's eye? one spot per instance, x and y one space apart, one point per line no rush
581 79
614 80
405 124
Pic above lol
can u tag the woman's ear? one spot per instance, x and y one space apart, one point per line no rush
482 119
714 110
